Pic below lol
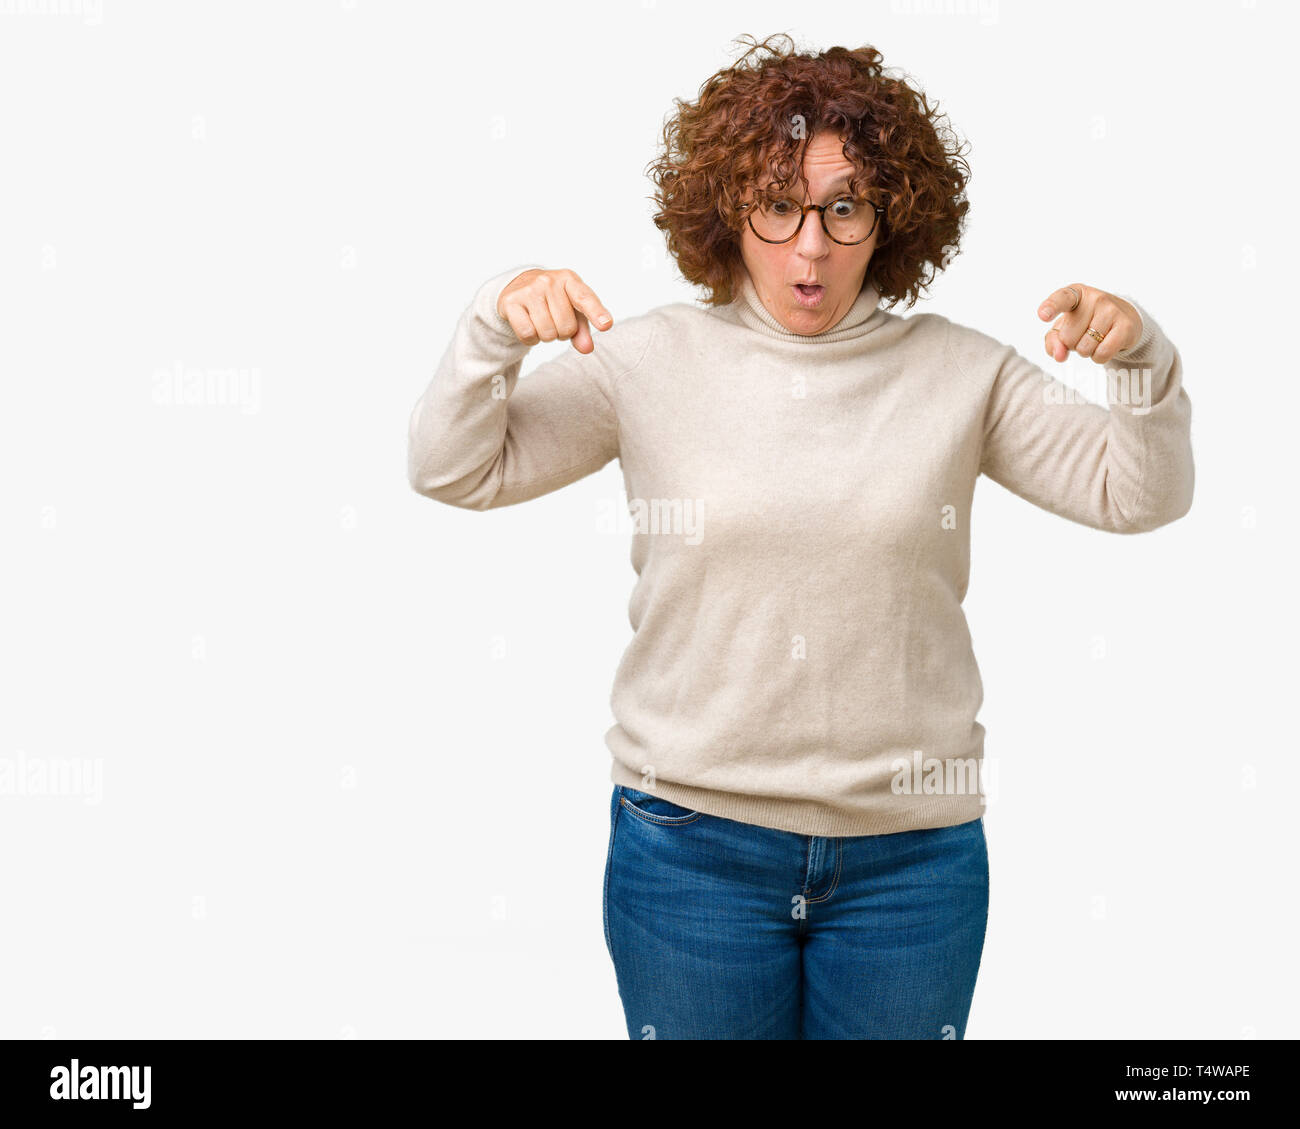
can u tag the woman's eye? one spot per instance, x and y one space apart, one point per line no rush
844 207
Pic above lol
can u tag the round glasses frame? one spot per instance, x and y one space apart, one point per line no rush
804 209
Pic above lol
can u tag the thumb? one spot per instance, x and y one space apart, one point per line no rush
582 338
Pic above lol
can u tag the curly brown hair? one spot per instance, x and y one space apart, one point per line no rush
757 114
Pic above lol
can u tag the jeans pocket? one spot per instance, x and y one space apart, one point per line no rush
652 809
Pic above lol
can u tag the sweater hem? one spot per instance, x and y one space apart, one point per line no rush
887 815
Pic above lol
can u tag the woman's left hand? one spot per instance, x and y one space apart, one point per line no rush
1116 322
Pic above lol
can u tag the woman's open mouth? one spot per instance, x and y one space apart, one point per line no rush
809 296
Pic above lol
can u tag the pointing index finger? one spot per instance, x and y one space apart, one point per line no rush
585 301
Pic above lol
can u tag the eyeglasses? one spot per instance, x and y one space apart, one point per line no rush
845 219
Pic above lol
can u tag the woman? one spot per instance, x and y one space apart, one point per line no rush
797 845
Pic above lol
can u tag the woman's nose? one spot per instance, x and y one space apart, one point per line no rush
812 241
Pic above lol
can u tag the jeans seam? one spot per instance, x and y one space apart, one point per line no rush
609 861
662 820
835 879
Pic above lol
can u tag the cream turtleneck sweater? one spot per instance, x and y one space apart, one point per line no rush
801 514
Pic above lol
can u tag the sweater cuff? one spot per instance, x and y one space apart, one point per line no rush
1150 358
1138 352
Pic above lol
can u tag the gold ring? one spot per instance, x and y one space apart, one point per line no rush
1094 333
1077 299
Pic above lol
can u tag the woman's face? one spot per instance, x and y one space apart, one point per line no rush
812 255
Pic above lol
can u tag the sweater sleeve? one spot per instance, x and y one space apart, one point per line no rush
1124 470
481 437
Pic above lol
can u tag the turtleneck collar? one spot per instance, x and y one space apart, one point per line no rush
863 316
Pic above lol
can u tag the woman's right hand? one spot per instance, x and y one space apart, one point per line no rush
552 305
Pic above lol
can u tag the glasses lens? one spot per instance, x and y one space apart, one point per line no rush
848 220
776 219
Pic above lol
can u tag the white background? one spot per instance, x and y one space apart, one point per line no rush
353 778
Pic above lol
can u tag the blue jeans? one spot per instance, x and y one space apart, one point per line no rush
727 930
